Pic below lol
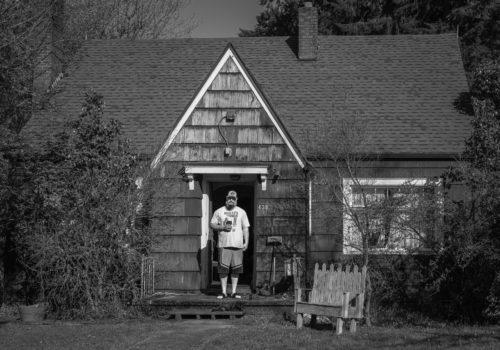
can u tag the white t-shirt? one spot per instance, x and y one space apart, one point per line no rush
238 218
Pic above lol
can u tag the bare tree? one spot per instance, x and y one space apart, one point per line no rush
24 32
132 19
35 35
394 218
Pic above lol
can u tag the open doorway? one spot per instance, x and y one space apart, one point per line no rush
245 193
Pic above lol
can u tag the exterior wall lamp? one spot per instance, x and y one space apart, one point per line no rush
229 117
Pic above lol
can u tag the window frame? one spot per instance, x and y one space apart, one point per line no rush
347 188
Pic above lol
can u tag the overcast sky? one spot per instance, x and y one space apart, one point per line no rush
222 18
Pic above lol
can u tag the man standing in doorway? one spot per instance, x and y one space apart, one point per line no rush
232 223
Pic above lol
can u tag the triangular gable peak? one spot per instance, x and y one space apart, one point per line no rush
229 63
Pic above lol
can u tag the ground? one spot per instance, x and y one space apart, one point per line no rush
250 332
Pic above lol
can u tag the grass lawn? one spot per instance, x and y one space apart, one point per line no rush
250 332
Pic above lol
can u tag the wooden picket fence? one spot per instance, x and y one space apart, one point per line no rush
332 295
330 284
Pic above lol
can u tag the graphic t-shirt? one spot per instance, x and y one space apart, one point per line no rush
238 219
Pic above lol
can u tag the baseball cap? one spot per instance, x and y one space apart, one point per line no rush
232 194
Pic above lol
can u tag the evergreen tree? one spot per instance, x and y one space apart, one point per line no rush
475 20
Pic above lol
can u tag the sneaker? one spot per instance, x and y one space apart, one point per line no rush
222 296
235 296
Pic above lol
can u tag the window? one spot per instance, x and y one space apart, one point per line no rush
394 215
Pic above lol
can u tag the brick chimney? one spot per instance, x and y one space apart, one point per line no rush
308 32
49 65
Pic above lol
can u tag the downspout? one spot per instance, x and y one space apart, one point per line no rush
308 178
309 207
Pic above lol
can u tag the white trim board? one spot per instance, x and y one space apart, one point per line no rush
349 182
205 212
225 169
385 181
229 54
261 171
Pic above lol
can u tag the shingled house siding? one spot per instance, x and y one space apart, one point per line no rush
327 239
254 139
175 222
281 211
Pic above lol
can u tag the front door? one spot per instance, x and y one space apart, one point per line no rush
245 193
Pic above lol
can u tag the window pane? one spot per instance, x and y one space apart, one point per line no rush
364 195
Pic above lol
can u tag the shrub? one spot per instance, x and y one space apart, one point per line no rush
78 243
461 282
465 274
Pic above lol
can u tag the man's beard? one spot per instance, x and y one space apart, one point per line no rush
230 205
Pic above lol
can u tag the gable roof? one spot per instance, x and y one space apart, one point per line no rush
402 87
229 56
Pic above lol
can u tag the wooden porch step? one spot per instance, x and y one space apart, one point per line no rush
198 313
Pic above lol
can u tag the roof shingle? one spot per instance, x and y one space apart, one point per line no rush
402 87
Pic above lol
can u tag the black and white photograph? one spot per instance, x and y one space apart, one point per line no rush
249 174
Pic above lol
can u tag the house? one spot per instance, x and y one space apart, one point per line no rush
212 115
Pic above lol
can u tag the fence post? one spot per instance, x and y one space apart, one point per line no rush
147 276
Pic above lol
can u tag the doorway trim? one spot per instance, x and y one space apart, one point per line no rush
213 170
191 170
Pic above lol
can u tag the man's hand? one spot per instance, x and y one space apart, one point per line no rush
245 238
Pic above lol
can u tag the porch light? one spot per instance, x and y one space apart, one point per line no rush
230 116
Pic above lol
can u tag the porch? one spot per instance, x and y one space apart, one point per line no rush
206 305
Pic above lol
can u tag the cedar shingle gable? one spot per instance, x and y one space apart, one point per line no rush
402 87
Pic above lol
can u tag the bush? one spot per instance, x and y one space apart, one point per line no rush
461 282
465 273
78 244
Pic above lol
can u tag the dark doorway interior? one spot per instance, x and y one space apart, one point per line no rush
246 202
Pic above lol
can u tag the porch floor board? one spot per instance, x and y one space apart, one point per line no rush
199 299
